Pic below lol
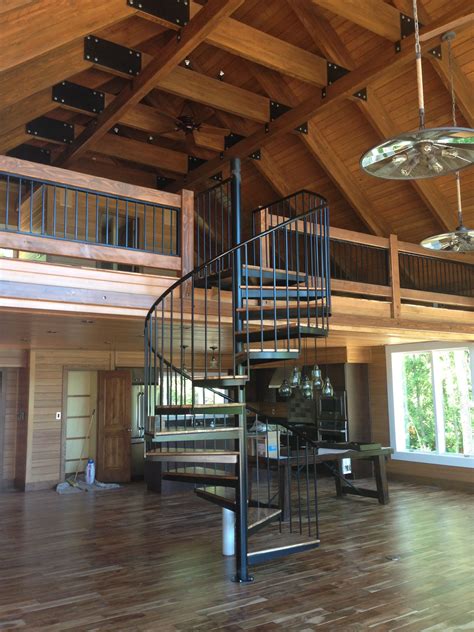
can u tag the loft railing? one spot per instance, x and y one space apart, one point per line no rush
385 268
43 207
213 231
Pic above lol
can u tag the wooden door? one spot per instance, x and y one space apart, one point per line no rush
114 427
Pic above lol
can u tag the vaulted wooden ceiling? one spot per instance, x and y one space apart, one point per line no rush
244 53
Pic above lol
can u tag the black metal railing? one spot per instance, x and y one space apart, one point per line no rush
432 274
359 263
35 207
213 231
263 295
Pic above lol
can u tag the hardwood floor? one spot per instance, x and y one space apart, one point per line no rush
131 560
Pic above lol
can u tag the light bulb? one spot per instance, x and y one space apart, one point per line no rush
328 390
306 388
284 390
434 165
316 377
295 378
213 360
449 152
400 159
409 166
426 148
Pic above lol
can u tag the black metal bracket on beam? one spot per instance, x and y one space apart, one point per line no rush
78 97
217 177
194 162
335 72
407 25
361 94
231 139
110 55
32 153
162 181
256 155
51 129
437 52
175 11
278 109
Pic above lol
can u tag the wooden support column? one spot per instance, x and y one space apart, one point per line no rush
261 225
394 275
187 231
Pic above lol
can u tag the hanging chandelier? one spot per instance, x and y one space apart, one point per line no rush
423 153
461 239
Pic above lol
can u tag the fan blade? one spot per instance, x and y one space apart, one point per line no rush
208 140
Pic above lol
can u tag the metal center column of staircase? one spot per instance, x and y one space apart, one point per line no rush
246 303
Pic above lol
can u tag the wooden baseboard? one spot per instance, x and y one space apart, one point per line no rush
33 487
464 486
7 485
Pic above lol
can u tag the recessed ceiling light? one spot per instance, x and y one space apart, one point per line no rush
107 342
23 339
87 322
51 331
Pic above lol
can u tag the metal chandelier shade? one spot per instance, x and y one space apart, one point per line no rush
423 153
426 153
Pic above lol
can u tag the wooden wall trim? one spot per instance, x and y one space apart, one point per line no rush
187 231
95 184
64 248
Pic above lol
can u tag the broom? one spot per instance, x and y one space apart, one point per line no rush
73 482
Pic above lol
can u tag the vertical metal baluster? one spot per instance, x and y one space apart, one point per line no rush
43 208
54 211
298 484
126 224
86 236
308 509
275 322
315 485
136 236
19 205
144 227
76 215
97 219
65 212
31 205
7 203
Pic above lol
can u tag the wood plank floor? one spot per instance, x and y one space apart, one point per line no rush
131 560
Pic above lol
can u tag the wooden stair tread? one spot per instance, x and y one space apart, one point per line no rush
220 380
194 456
259 516
281 332
197 408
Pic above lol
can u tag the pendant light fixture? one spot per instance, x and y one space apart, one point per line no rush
423 153
461 239
328 390
213 360
306 388
317 378
183 359
295 378
285 389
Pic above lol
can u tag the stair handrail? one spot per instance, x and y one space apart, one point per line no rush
242 244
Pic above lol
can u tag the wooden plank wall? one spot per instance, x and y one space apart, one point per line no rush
424 473
10 428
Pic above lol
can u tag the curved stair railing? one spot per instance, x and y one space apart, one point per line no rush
259 302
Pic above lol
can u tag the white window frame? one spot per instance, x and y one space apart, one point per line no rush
397 434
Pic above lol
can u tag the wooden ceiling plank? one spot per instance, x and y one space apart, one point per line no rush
343 179
162 65
260 47
37 28
378 116
462 87
322 33
387 60
272 173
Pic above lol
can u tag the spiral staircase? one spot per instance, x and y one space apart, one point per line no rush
259 301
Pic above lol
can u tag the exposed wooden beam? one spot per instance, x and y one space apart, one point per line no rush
255 45
330 162
374 15
322 33
462 87
387 60
191 36
40 27
378 116
223 96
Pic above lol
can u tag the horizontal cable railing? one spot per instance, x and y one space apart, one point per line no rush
35 207
429 274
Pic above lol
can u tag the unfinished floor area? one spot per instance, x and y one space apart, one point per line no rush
133 560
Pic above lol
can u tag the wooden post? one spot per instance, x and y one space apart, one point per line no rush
394 275
265 247
187 231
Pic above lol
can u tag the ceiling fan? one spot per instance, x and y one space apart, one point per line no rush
192 127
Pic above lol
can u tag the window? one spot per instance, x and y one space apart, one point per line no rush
431 405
